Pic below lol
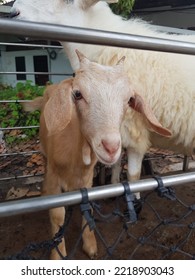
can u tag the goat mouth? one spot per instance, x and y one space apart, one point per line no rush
106 161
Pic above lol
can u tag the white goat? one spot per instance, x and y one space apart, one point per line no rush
80 123
165 81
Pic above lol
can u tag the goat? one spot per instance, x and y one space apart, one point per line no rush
80 124
163 80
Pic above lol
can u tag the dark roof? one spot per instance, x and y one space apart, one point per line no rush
9 3
143 4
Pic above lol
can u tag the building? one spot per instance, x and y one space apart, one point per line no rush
42 61
170 13
41 64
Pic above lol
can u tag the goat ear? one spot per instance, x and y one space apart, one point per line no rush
85 4
138 104
81 57
58 109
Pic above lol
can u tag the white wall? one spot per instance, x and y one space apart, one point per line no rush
59 65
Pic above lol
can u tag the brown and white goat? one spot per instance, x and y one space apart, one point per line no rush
80 124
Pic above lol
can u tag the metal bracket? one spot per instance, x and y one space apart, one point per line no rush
130 198
86 209
163 191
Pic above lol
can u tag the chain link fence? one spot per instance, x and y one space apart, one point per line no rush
158 233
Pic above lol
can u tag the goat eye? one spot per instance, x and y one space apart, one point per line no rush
77 95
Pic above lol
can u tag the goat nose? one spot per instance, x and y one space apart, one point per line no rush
14 13
111 147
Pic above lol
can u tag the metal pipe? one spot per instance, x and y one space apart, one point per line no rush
46 202
15 101
19 127
34 73
31 45
20 177
20 154
91 36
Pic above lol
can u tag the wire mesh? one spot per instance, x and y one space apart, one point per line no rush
159 233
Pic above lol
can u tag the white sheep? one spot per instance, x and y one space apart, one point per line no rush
80 124
164 80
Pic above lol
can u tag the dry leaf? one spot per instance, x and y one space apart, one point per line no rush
16 193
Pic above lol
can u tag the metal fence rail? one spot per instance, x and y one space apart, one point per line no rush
19 177
97 193
20 127
36 73
19 153
42 46
95 37
15 101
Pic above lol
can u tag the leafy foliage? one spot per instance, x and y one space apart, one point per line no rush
123 7
13 115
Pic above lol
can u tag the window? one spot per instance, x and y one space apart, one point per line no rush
41 65
20 67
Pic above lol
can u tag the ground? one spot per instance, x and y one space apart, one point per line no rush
164 229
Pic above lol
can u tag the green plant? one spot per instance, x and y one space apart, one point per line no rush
123 7
13 115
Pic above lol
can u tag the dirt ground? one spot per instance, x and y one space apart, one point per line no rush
165 228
